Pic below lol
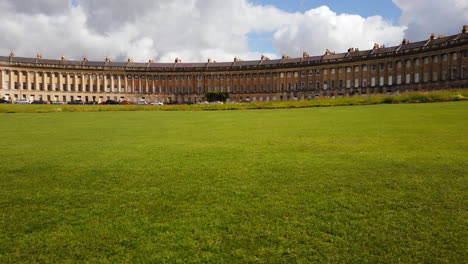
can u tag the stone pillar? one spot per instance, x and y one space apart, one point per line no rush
104 77
119 83
28 81
2 79
36 81
112 83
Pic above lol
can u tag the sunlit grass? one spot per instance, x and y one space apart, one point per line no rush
367 184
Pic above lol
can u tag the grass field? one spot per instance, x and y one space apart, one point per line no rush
367 184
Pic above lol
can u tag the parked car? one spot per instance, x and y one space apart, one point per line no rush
90 103
157 103
142 103
125 103
57 103
112 102
3 101
75 102
39 102
22 101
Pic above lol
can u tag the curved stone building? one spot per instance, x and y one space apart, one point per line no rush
440 62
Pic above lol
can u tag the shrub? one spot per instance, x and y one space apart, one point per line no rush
217 96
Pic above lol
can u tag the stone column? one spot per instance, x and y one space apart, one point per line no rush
28 81
104 77
119 83
36 81
2 79
112 83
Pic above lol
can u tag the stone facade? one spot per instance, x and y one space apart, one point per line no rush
437 63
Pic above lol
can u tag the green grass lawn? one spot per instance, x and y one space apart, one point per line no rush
355 184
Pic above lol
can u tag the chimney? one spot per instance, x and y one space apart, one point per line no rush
151 61
237 59
376 46
85 58
351 50
130 60
39 56
210 60
329 52
63 57
465 29
405 42
108 59
177 60
433 36
12 54
305 55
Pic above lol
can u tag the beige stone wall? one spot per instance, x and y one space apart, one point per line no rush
422 71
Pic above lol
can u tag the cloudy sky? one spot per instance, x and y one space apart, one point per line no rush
195 30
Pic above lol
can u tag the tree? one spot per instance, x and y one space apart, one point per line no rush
217 96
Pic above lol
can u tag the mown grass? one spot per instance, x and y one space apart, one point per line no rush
414 97
370 184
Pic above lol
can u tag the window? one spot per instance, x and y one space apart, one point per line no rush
435 76
200 78
282 75
317 72
364 82
426 60
348 69
436 58
364 68
416 77
445 57
317 85
333 71
356 68
398 64
390 80
356 83
381 81
454 56
348 83
416 62
426 77
408 78
464 73
453 73
373 67
408 63
390 65
382 66
373 81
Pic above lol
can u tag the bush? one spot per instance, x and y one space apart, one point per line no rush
217 96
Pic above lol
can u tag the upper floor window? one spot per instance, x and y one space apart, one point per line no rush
408 63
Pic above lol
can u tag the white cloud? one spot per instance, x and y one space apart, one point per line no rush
190 29
423 17
320 29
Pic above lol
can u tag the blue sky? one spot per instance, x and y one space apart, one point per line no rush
365 8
